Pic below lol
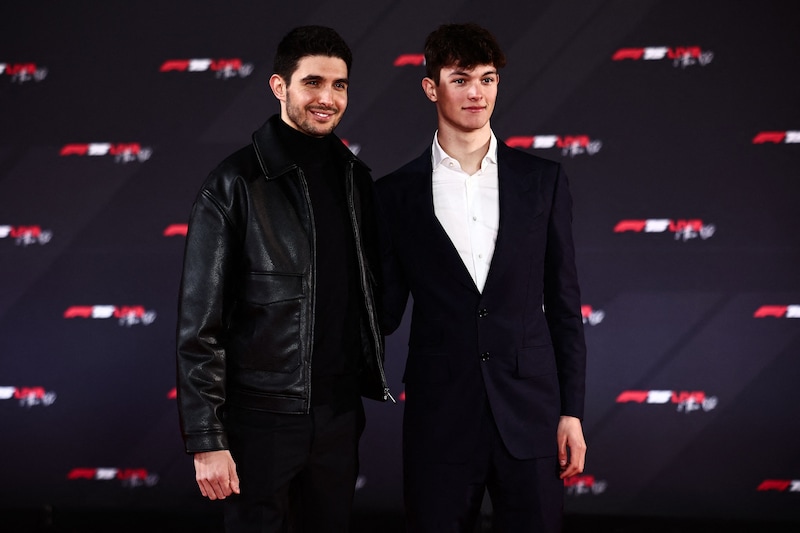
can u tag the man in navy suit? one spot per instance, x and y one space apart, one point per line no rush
480 235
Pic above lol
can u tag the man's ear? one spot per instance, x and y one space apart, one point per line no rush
429 87
278 86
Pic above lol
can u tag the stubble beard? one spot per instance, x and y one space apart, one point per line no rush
299 116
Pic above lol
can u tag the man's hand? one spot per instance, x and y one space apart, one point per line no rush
571 446
215 473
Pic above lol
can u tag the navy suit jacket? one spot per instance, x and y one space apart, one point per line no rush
518 345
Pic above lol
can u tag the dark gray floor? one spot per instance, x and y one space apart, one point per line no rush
52 521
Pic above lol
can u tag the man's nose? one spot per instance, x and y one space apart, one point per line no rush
325 96
474 90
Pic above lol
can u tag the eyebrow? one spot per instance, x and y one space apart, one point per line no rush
465 73
317 77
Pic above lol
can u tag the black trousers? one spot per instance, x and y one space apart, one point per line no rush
527 496
297 472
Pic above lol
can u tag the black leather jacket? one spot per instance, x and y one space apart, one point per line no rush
246 304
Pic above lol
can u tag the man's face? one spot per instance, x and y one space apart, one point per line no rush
316 98
464 98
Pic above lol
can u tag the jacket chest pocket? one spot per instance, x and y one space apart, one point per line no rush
266 332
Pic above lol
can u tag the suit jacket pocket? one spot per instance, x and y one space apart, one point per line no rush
536 361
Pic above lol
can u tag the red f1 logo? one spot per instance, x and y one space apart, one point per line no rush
414 60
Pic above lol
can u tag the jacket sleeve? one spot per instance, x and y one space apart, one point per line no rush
562 301
202 310
394 289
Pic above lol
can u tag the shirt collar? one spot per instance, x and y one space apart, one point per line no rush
439 155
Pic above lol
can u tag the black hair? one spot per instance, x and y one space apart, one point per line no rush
309 41
462 45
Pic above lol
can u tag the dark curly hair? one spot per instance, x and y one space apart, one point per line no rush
462 45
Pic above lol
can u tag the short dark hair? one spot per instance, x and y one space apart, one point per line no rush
462 45
309 41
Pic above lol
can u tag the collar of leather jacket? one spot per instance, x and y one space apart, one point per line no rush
276 161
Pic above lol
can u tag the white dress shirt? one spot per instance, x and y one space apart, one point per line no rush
468 207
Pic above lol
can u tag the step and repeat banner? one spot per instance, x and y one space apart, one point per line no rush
677 121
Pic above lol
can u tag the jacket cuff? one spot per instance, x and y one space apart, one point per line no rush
206 442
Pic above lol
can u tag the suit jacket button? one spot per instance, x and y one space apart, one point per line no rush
485 356
483 313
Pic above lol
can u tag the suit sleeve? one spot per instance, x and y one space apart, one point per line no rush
394 287
562 301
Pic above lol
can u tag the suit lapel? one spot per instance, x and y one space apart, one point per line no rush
432 235
518 187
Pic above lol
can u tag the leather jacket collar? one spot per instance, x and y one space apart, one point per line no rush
276 163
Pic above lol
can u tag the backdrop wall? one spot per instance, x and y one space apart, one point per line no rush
678 123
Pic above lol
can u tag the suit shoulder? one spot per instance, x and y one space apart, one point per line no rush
517 157
525 166
415 168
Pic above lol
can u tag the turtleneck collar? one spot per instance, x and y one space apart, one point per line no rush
304 148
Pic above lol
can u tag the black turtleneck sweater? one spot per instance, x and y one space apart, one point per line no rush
336 324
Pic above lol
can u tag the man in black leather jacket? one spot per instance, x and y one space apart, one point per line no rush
278 335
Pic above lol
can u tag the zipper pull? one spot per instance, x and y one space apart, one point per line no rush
388 394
